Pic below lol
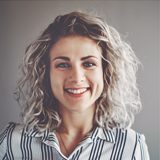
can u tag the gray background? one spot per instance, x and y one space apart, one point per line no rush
137 21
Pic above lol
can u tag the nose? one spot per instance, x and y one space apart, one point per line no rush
77 75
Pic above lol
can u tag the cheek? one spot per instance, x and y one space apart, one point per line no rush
54 80
57 81
99 74
97 79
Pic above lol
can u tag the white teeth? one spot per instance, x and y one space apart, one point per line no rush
76 91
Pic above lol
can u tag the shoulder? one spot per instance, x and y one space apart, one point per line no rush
12 128
128 134
16 134
132 142
11 132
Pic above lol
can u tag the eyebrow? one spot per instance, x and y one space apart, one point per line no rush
68 59
87 57
61 57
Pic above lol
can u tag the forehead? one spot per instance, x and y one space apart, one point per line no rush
75 45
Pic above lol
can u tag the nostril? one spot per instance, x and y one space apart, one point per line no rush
76 78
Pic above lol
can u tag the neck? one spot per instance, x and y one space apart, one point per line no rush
74 123
74 127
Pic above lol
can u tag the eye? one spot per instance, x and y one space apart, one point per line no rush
89 64
63 65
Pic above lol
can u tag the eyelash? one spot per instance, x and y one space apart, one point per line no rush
63 65
89 64
86 64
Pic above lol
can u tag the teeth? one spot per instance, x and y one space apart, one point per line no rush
76 91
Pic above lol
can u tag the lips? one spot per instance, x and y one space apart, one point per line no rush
76 91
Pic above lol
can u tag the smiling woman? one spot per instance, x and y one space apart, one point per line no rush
76 62
79 95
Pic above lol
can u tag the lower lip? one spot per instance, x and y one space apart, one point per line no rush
77 95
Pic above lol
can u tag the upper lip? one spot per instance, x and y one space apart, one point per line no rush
76 88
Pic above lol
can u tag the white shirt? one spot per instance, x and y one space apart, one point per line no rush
100 144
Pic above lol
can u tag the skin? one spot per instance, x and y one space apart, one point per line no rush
76 77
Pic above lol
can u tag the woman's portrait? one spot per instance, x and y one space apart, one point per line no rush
77 92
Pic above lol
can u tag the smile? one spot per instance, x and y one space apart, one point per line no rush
76 91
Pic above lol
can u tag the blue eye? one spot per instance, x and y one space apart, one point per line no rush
89 64
63 65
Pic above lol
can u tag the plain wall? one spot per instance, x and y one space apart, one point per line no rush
137 21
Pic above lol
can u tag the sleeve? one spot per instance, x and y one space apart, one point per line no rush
141 152
4 136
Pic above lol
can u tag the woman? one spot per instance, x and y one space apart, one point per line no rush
79 94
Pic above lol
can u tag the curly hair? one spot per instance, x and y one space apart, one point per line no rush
120 99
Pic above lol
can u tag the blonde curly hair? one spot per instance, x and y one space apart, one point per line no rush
120 99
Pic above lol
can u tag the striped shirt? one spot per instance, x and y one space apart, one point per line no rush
100 144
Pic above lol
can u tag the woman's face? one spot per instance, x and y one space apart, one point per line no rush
76 73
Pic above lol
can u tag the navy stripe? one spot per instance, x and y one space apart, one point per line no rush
115 146
47 152
34 133
92 150
119 145
4 133
22 144
25 146
45 136
4 158
94 134
50 154
42 151
109 135
100 143
133 154
96 150
52 138
9 134
124 142
99 153
77 154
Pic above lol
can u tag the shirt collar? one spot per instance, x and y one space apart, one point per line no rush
36 133
104 134
98 133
